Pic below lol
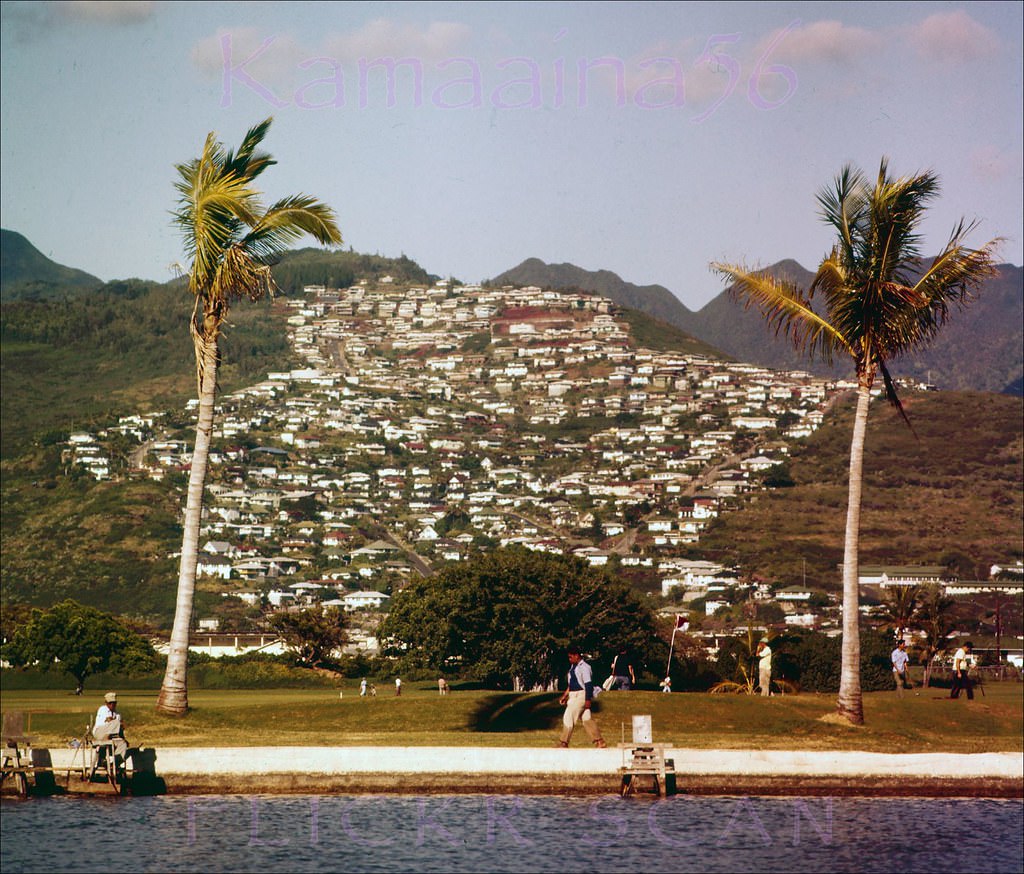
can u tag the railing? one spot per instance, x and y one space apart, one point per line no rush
987 674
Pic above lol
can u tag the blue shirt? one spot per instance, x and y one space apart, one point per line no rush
899 660
581 679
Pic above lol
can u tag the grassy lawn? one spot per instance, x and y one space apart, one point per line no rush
923 722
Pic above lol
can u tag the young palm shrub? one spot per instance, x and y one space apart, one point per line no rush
745 680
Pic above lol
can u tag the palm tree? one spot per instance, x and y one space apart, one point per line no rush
900 604
231 240
936 619
878 302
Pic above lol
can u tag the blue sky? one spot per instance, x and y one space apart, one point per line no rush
644 138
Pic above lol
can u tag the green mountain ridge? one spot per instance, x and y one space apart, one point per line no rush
980 349
121 348
655 300
25 272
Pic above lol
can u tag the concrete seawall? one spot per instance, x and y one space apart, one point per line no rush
584 770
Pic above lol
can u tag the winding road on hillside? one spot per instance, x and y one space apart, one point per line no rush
419 563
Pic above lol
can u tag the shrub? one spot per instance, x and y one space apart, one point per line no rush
813 660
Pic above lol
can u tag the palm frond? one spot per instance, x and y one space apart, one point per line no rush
290 219
247 162
958 270
892 396
212 218
844 206
786 310
897 207
240 275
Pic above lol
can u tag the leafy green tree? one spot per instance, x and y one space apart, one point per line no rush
80 641
770 613
506 618
879 302
313 634
811 660
778 477
231 239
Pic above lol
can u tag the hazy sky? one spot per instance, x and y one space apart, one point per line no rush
643 138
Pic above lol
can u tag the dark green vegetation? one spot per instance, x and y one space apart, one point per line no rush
78 641
947 492
653 333
312 634
104 544
980 349
81 361
927 722
335 269
25 272
506 618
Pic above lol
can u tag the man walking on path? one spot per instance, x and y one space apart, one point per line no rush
577 700
962 660
398 686
899 666
764 667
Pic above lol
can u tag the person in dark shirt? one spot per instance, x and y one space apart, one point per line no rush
623 673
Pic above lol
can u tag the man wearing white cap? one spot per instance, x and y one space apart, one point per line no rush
764 666
109 726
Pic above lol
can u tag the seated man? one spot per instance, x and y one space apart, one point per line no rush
109 727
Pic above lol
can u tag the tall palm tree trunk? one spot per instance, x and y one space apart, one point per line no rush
850 704
173 698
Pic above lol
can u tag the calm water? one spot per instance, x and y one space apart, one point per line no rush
509 833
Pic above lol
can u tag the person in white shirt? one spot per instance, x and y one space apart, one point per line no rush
899 666
764 667
109 726
962 661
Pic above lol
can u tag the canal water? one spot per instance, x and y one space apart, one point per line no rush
509 834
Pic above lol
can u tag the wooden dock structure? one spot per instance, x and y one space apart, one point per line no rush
646 768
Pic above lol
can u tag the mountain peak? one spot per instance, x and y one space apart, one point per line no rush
654 300
27 272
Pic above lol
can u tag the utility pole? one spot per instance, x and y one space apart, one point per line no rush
999 651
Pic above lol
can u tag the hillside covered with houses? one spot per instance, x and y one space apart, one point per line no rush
426 423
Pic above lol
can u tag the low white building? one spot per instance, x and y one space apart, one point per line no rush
220 644
365 600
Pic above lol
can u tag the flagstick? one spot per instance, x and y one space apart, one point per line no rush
672 643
